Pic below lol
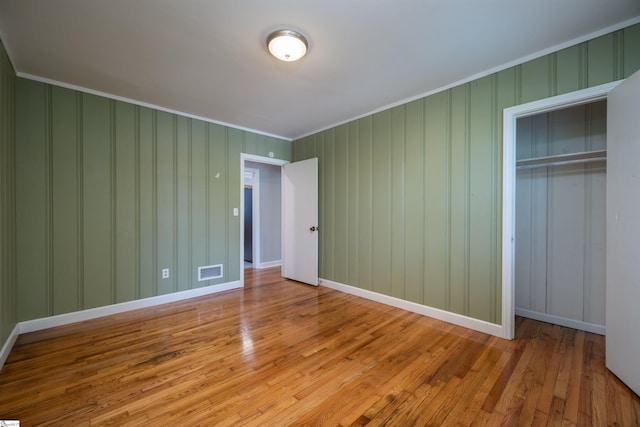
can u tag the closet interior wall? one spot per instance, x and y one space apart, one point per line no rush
560 218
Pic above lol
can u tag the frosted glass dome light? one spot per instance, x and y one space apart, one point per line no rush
287 45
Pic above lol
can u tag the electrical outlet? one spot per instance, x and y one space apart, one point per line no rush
165 273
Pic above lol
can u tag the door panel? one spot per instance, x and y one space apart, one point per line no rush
300 221
623 232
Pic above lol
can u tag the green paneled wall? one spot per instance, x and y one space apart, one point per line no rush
109 193
8 283
410 198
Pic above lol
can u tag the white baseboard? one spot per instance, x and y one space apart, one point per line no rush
8 344
436 313
562 321
270 264
92 313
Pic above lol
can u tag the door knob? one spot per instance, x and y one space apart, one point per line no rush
312 229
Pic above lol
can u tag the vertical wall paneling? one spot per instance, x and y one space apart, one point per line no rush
398 200
199 201
65 203
183 193
365 196
97 199
459 200
272 146
353 173
602 64
569 65
48 201
126 280
136 202
495 196
436 201
439 209
110 193
8 276
165 200
414 215
630 42
481 218
219 195
536 79
327 207
280 149
113 267
146 219
30 198
341 187
381 203
251 144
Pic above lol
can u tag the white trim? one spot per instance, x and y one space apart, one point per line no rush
8 344
269 264
436 313
142 104
257 159
488 72
262 159
92 313
562 321
510 116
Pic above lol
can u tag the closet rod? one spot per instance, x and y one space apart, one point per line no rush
562 159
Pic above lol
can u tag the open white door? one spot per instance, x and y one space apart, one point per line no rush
300 221
623 232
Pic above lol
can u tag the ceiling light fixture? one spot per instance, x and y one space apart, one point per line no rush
287 45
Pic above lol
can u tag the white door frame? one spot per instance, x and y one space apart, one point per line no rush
510 116
257 159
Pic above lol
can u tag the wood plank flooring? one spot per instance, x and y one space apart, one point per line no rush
282 353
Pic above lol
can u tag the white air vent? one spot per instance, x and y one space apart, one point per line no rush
209 272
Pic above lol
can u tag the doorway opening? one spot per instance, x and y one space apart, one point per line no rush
251 216
512 159
260 205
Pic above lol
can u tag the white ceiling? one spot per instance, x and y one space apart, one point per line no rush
208 58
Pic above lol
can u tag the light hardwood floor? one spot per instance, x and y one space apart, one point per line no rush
282 353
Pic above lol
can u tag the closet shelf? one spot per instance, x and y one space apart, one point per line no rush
562 159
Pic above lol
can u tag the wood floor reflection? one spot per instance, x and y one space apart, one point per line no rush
282 353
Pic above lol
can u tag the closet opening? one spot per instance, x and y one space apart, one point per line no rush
553 210
560 222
